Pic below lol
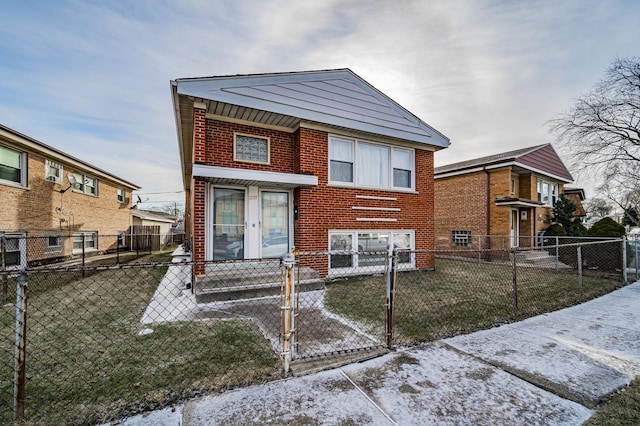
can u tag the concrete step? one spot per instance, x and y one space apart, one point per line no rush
249 284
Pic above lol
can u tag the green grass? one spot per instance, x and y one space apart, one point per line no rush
458 297
621 409
87 363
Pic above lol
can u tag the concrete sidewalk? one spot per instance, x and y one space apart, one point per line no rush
547 370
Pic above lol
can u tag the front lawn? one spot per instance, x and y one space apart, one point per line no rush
90 360
460 296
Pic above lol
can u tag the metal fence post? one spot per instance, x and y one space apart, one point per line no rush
5 278
557 254
579 249
83 253
20 376
479 250
514 282
635 258
287 312
392 275
624 260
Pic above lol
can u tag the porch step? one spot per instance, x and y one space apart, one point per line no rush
239 284
538 257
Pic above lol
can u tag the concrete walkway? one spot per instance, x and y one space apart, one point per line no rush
547 370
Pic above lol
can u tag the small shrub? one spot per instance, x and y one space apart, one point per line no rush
555 229
606 227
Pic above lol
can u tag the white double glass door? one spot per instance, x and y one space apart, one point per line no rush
249 223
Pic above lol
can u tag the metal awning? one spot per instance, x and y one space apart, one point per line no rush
517 202
244 177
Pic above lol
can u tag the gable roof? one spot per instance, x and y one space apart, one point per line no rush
153 215
27 143
336 97
541 159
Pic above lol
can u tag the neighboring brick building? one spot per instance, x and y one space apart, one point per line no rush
502 200
39 201
317 160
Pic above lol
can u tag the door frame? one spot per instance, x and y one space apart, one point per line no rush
514 227
252 218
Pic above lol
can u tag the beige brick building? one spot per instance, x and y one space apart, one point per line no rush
54 204
499 201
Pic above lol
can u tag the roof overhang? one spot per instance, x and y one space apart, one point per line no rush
517 202
244 177
515 167
25 142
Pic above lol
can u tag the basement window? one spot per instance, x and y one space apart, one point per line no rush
460 238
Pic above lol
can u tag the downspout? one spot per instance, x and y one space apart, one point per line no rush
487 208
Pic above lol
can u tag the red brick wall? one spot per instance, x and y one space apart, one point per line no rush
219 147
322 208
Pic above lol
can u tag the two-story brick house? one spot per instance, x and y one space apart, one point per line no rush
502 200
54 204
317 160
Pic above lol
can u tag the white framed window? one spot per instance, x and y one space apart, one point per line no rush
53 242
547 192
122 195
13 250
252 149
85 241
86 184
371 165
13 166
513 186
460 238
365 250
53 171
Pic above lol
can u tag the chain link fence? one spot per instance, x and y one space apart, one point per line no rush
123 335
86 345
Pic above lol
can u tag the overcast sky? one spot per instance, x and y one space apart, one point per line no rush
91 78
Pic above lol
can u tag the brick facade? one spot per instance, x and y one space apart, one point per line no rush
466 202
323 207
40 209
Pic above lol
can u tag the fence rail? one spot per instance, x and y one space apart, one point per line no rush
90 344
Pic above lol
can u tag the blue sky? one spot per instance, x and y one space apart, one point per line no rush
92 77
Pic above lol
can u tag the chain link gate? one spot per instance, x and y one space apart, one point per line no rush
315 326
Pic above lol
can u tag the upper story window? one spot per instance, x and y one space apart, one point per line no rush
254 149
12 166
86 184
121 195
371 165
513 186
547 192
53 171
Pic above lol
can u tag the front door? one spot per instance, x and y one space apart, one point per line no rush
274 224
227 214
515 226
249 223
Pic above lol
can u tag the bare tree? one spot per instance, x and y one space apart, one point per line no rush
598 207
626 195
602 130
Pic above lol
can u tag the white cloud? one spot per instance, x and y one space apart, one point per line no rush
92 79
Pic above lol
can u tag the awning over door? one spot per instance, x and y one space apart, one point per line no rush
517 202
243 177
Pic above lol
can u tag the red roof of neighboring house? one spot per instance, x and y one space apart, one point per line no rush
541 159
